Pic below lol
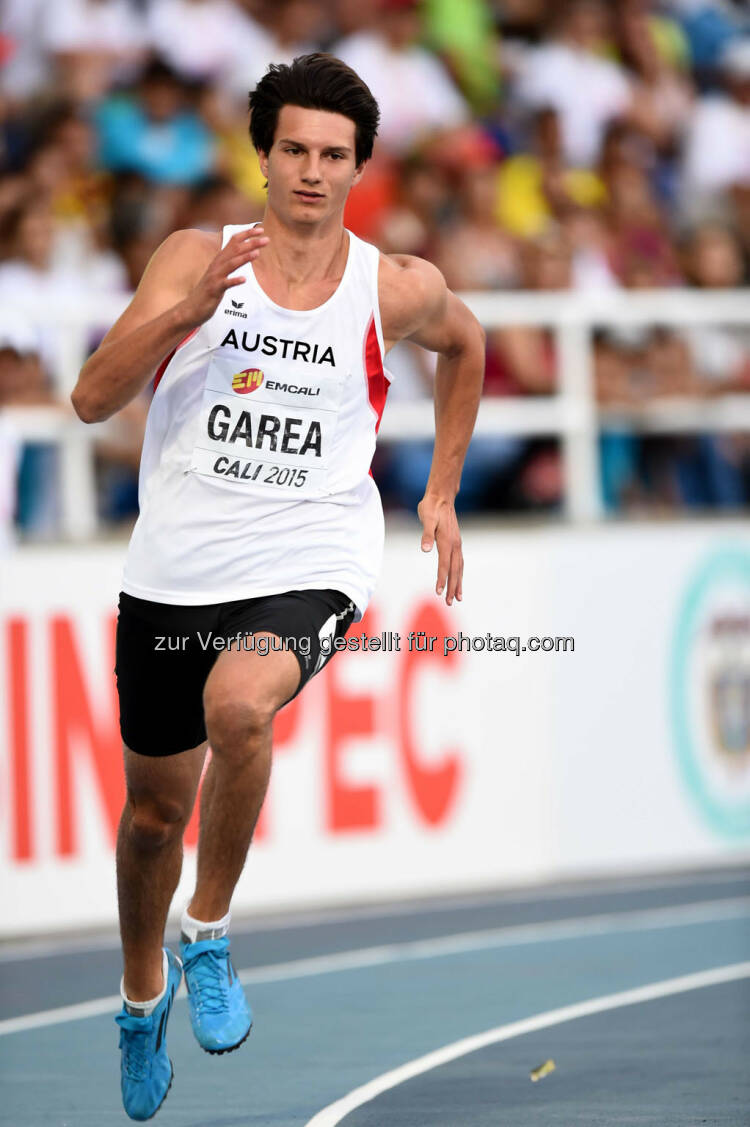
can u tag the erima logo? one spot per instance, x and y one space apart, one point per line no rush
235 310
280 346
246 381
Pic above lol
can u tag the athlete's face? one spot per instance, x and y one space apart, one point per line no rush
312 164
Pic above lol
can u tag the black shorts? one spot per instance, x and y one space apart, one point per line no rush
165 653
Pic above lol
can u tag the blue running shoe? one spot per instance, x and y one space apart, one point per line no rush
146 1070
219 1011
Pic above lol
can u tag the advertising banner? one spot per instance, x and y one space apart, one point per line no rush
584 710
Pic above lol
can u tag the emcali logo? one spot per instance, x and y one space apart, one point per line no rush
246 381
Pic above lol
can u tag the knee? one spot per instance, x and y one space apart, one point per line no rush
155 822
238 727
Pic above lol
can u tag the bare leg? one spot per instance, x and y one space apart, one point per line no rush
242 695
161 793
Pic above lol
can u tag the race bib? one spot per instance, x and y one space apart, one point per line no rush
263 433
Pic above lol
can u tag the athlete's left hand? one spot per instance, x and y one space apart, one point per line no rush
440 524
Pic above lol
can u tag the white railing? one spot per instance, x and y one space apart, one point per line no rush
572 414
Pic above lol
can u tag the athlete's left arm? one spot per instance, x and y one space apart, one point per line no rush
416 303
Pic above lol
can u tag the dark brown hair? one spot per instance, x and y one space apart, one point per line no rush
315 82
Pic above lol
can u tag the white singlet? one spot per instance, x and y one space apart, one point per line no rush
254 474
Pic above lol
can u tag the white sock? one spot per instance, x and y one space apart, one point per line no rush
193 931
145 1009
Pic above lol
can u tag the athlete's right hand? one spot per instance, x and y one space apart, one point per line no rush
242 248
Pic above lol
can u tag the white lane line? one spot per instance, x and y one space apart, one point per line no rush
15 950
576 927
95 1008
336 1112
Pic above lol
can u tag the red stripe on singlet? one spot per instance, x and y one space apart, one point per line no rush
377 384
167 359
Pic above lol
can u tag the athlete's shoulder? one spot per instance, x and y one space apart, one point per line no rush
404 274
195 237
410 291
179 262
189 244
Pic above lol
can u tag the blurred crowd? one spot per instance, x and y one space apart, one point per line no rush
525 144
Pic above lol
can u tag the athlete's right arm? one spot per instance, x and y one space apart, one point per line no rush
180 289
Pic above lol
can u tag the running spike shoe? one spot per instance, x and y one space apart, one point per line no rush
219 1012
145 1069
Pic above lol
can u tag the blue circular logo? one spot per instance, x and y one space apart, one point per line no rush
710 690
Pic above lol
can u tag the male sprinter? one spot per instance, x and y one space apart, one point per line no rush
258 519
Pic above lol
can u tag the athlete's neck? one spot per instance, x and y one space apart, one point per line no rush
303 256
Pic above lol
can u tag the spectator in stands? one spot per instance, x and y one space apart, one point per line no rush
697 473
197 38
710 26
617 355
92 43
47 262
10 455
669 364
643 253
226 120
22 379
713 260
140 218
14 186
693 471
536 184
272 33
402 468
657 51
216 202
590 242
618 361
423 203
118 454
462 33
713 257
521 360
717 150
155 132
31 467
523 20
350 16
634 368
23 63
80 189
474 251
62 169
415 93
28 273
570 74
